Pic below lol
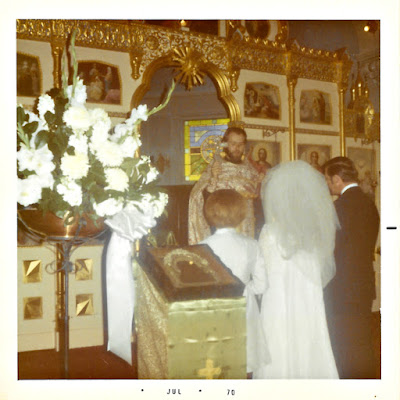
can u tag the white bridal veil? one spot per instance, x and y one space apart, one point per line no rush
300 214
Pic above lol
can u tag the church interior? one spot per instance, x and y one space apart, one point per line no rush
301 89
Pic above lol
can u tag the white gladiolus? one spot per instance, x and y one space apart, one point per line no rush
32 117
99 117
99 137
70 191
130 145
159 204
78 119
117 179
46 180
75 166
79 143
108 207
145 204
144 159
80 95
41 126
26 158
110 154
139 113
29 190
120 130
46 103
151 175
38 160
44 164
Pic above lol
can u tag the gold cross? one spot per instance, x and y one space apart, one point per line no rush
209 371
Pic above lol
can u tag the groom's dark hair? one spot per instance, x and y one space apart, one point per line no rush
343 167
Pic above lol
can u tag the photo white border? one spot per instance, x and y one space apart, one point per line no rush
387 387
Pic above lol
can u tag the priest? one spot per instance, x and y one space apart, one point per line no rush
228 170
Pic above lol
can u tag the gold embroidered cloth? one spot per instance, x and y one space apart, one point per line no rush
195 339
221 174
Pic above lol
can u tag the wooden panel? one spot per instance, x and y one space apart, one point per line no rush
177 219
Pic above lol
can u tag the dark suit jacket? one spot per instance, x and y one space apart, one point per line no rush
353 287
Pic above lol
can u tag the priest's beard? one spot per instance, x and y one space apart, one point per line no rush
235 158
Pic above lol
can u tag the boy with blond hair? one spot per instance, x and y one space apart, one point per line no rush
224 210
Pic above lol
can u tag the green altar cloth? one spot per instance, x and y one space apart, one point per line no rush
189 328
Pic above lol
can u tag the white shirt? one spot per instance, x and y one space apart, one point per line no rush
348 187
242 255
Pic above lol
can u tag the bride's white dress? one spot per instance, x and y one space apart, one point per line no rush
293 317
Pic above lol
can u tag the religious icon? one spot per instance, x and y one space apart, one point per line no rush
315 155
315 107
29 75
262 100
263 155
102 82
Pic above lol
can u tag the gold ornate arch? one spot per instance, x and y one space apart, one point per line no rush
191 67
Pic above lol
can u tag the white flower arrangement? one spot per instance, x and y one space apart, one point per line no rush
71 160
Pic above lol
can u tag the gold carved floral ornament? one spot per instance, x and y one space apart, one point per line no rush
190 63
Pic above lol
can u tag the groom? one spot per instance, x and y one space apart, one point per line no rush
349 295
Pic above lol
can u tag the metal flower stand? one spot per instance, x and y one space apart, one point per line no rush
64 248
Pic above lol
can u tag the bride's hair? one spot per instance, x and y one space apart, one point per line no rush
300 214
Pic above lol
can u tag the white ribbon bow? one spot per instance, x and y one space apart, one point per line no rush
127 226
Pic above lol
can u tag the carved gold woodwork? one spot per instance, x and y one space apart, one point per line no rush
267 130
195 54
283 32
190 66
136 59
370 121
218 76
154 42
341 90
291 82
234 29
360 119
270 130
317 132
57 52
237 29
234 76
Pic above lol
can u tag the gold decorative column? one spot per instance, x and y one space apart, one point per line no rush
234 76
343 67
342 90
136 60
57 51
291 82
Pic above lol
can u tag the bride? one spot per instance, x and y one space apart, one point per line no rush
297 241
